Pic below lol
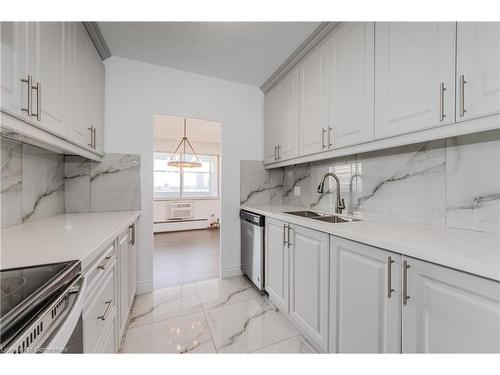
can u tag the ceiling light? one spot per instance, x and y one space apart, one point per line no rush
179 159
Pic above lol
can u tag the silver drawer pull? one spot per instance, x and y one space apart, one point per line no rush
28 108
389 277
106 264
406 297
108 309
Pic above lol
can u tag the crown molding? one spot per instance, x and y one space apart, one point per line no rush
312 40
98 40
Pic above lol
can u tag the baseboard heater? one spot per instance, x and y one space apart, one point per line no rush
175 225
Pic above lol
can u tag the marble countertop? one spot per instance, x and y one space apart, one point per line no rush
470 251
81 236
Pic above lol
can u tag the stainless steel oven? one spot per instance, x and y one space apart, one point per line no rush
42 309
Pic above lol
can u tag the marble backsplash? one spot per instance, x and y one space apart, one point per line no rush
114 184
37 183
453 182
259 186
32 183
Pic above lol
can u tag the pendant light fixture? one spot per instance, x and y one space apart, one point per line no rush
178 157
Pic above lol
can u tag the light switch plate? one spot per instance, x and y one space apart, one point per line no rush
297 191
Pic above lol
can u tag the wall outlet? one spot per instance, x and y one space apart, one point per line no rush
297 191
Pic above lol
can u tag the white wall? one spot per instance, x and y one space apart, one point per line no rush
136 91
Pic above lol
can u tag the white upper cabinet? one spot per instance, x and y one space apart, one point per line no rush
365 298
448 311
414 76
351 67
271 109
86 91
281 118
53 78
314 88
48 85
288 127
14 92
478 69
309 254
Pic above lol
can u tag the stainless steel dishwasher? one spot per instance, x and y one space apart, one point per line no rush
252 247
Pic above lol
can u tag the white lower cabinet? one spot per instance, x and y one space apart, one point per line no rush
111 283
276 264
365 302
296 277
448 311
309 255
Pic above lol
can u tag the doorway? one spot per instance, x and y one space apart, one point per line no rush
186 206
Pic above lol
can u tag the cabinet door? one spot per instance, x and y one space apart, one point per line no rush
364 317
314 102
288 128
309 255
14 92
132 264
50 63
276 265
271 104
82 95
123 299
351 71
449 311
414 62
478 62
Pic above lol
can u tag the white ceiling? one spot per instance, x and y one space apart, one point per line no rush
246 52
171 128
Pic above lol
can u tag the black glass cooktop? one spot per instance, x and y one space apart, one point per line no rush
23 291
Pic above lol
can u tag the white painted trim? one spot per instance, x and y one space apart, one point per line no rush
14 128
100 44
144 287
446 131
231 271
312 40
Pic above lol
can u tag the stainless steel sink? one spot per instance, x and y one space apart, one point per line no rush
309 214
322 217
335 219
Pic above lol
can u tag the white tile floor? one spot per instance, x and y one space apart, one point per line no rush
213 316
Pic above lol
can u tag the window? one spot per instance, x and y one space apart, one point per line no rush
174 182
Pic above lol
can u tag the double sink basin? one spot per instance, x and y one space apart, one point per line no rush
322 217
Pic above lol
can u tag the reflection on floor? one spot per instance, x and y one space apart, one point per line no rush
185 257
212 316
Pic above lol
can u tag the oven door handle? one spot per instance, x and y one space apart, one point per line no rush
60 338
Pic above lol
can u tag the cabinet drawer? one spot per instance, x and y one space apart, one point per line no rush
100 309
100 268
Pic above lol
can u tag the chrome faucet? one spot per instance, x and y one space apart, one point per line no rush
340 204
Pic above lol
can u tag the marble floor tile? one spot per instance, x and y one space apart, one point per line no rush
186 334
295 344
247 326
220 292
164 304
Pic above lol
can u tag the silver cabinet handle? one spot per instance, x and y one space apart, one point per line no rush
389 277
91 132
106 264
108 309
94 137
38 89
275 148
330 129
462 95
290 232
406 297
285 227
29 81
442 89
279 148
132 236
323 131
